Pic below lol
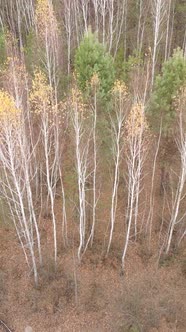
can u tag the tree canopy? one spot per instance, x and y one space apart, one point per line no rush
90 58
167 85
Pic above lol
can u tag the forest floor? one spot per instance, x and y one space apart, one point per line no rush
93 296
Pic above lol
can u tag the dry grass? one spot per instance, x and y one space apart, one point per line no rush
55 291
146 301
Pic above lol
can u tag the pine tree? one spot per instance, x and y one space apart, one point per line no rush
2 48
167 85
91 57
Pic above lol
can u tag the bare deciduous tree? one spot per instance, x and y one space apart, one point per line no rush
41 97
136 148
159 15
69 29
48 39
82 141
17 179
120 96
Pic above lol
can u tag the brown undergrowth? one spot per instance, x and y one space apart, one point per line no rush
93 296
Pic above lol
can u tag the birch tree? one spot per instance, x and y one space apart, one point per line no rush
41 103
120 96
111 18
84 5
18 16
95 88
96 6
81 140
69 29
169 25
17 179
15 79
47 32
28 13
136 147
159 15
103 5
118 25
142 18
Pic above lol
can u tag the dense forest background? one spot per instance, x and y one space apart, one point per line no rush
93 159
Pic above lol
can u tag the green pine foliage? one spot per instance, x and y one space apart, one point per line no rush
124 68
2 48
91 57
167 85
33 54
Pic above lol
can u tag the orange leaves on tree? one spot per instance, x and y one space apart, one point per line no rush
136 123
77 99
119 90
95 81
15 76
8 111
121 97
45 18
42 100
75 102
41 93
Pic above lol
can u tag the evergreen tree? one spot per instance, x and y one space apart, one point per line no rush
90 58
167 85
124 68
2 48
